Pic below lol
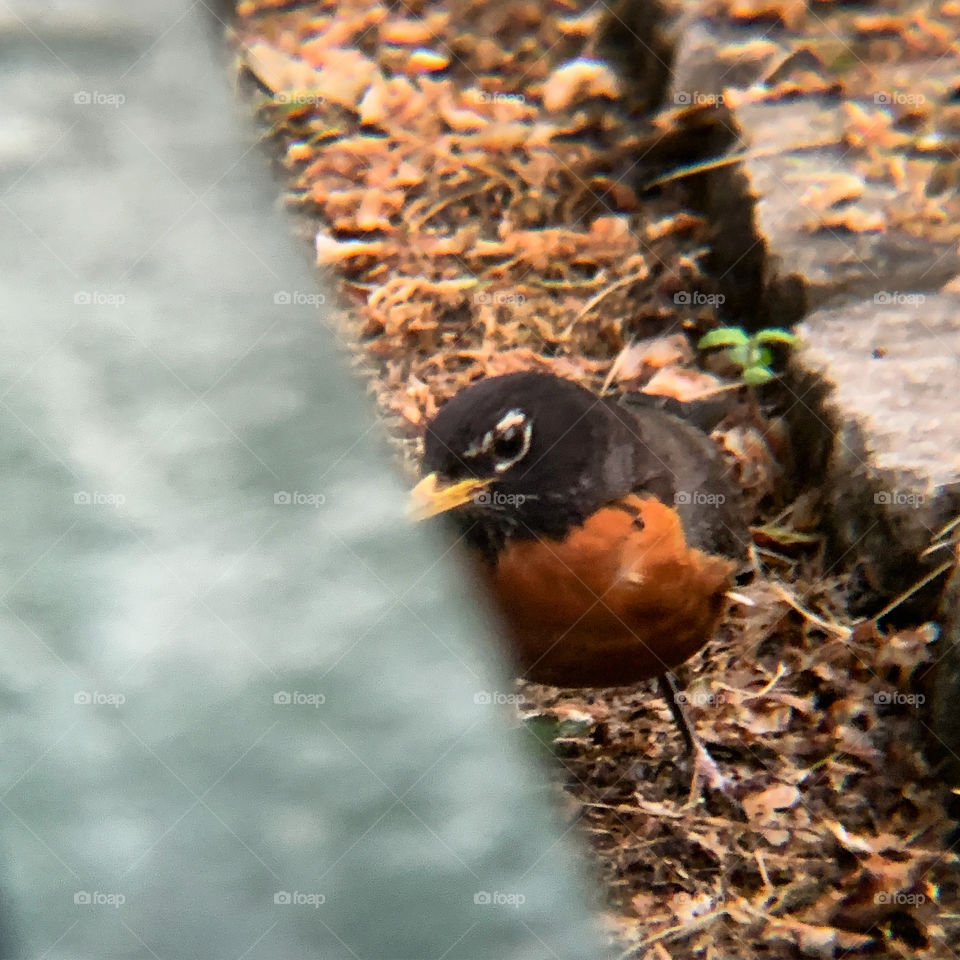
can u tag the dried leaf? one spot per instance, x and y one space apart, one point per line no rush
278 70
683 384
577 81
428 61
762 806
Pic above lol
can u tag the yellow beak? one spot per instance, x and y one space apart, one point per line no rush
430 497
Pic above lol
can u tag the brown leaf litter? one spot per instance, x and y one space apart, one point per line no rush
452 165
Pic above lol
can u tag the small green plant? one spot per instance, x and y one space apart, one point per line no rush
750 353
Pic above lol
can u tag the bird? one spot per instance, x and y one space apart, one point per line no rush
607 531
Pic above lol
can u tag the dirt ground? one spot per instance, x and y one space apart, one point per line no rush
464 172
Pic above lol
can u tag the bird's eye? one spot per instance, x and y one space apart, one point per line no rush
509 444
511 440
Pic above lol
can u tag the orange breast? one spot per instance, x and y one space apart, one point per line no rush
622 599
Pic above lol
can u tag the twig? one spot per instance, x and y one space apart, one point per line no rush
641 274
835 628
758 856
715 163
919 585
469 191
767 687
937 541
678 932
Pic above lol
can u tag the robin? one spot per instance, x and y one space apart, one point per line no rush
608 535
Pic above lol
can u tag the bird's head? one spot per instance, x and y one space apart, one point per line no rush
516 455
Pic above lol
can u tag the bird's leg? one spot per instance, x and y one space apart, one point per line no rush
704 766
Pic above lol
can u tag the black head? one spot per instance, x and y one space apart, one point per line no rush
541 441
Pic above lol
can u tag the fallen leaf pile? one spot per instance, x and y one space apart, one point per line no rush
451 163
830 837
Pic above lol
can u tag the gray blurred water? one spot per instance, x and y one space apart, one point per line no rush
243 702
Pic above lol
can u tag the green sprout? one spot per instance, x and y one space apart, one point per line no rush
750 353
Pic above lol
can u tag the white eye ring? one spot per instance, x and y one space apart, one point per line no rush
511 421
